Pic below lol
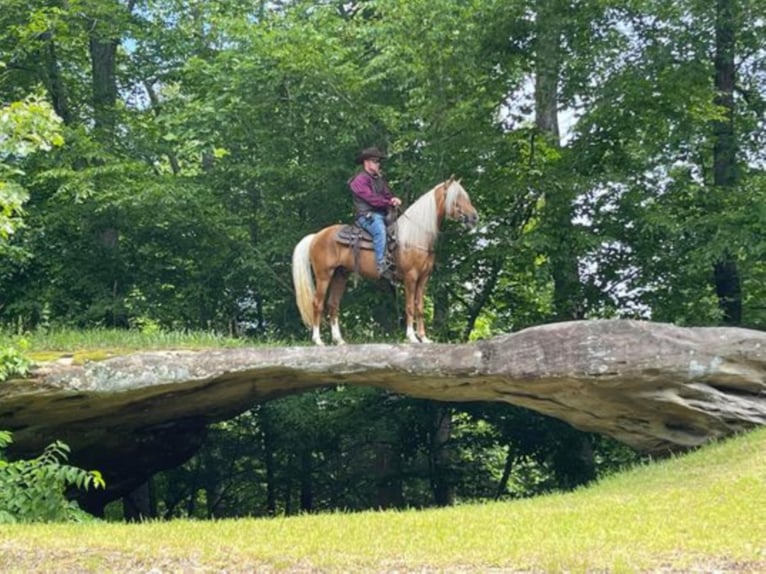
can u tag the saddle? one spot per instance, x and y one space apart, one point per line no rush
354 236
357 239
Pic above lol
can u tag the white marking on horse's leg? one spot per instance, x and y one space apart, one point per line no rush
411 336
336 336
315 336
420 320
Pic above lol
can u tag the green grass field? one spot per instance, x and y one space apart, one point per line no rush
702 512
97 344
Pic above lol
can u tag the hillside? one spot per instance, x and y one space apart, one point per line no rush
700 512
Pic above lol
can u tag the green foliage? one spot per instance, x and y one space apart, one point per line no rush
35 490
72 341
232 136
13 362
26 127
236 128
357 448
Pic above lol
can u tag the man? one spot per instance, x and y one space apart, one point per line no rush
372 198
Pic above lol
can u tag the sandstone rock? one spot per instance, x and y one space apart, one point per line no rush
655 387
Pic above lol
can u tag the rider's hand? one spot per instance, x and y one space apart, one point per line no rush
396 202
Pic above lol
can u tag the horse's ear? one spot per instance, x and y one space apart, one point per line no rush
449 181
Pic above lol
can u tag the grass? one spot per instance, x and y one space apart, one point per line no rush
702 512
99 344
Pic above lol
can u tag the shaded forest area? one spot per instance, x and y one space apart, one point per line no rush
159 159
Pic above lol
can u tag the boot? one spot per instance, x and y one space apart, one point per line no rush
385 272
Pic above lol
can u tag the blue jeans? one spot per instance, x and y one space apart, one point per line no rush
374 224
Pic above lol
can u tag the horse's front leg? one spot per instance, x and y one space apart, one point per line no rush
337 287
420 322
410 286
322 282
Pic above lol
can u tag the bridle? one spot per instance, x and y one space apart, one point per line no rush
457 214
462 217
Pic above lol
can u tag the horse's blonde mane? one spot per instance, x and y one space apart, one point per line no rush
418 226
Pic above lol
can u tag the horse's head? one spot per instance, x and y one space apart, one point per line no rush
458 204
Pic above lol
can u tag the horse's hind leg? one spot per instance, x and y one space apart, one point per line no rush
337 287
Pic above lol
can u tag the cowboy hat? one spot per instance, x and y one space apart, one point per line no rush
370 153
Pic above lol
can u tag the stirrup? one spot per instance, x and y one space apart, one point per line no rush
386 272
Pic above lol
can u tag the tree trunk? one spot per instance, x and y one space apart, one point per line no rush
268 455
191 504
574 461
441 300
103 56
725 272
307 487
287 487
481 300
568 301
559 211
547 62
388 476
502 486
139 505
214 492
54 83
441 485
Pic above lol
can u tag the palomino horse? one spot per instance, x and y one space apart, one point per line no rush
417 229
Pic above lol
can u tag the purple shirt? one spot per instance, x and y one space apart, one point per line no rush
370 193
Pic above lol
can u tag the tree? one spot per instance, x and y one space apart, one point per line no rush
559 208
187 145
726 276
26 127
647 145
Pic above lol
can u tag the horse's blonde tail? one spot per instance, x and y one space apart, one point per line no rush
303 281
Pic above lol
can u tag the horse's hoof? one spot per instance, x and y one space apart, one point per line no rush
425 339
340 342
